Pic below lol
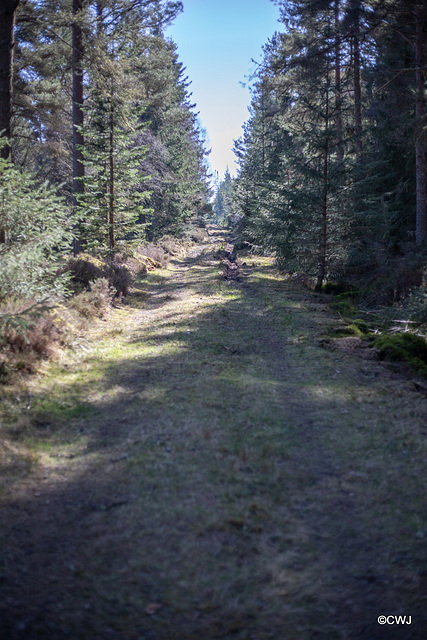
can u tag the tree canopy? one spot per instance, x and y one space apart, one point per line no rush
332 160
98 105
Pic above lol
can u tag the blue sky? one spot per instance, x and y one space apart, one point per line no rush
216 41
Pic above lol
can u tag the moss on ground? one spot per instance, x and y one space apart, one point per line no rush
343 307
403 347
356 327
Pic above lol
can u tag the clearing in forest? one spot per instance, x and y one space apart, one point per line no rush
208 465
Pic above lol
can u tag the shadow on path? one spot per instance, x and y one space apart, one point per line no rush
216 480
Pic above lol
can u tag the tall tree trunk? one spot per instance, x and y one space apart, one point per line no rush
357 87
78 141
420 156
324 227
338 96
263 130
7 29
112 241
7 26
324 224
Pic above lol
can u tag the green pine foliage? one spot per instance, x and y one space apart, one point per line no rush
35 226
326 175
129 68
224 206
290 178
176 160
113 205
42 127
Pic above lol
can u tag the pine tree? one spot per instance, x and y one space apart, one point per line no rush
113 203
328 157
36 228
176 164
420 151
224 205
7 35
293 139
116 49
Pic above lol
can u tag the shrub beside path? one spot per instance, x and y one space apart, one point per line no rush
209 464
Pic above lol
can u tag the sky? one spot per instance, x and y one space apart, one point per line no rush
217 40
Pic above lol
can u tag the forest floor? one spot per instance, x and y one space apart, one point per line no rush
210 464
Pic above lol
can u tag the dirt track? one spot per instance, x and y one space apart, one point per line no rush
209 466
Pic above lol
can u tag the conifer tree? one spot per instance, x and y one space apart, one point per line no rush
224 206
7 34
293 139
114 199
36 230
75 54
333 104
176 164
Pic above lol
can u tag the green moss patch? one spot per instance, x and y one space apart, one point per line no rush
403 347
357 327
343 307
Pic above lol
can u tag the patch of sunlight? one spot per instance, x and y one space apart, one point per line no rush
259 261
246 379
275 277
145 348
298 306
61 377
154 393
51 453
114 392
61 468
327 392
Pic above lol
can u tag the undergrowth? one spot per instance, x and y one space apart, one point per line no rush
95 302
27 333
383 328
30 330
403 347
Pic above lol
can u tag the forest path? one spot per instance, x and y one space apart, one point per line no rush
211 467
